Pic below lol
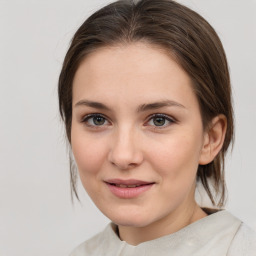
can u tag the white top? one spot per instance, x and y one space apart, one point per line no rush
219 234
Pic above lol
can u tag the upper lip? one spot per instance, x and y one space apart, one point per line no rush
128 182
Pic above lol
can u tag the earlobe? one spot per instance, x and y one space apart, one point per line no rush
213 139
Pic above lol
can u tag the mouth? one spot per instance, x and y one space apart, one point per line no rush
128 189
126 186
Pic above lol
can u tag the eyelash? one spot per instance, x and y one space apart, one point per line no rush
86 119
166 118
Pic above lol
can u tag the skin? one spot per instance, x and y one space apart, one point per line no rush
127 143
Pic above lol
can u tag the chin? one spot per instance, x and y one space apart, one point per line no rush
138 220
131 223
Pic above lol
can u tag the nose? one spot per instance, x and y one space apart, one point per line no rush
125 152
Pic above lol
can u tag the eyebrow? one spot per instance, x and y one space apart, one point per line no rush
157 105
92 104
141 108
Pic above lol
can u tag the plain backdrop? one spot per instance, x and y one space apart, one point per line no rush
36 214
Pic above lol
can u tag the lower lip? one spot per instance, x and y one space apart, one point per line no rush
128 193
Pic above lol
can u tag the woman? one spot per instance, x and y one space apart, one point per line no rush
145 96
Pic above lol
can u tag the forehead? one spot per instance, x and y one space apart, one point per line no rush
136 71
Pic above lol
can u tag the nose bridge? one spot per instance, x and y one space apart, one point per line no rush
125 150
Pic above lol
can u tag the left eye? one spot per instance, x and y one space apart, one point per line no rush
160 121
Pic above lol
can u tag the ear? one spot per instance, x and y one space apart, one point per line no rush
213 139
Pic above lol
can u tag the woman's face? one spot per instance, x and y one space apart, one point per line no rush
136 134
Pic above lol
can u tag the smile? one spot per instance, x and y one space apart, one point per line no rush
128 189
126 186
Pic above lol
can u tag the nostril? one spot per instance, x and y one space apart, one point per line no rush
124 154
124 166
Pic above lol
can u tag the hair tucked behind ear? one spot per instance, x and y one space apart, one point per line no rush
189 39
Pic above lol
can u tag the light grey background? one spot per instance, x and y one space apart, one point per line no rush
36 215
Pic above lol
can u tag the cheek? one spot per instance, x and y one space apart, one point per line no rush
88 152
176 162
177 156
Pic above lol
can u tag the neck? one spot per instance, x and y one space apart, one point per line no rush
165 226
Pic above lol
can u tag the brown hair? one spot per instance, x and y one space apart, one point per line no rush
186 36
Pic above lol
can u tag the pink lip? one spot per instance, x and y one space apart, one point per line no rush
128 193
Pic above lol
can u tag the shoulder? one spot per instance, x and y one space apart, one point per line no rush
88 247
105 241
244 242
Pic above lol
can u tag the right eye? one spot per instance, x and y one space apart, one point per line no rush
95 120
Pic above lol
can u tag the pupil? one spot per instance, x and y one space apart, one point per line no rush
98 120
159 121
